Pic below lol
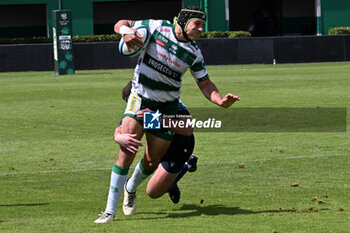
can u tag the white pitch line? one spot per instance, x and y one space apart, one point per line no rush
53 171
200 164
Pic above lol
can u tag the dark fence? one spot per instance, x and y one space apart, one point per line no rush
104 55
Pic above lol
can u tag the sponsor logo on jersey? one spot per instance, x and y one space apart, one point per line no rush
165 30
168 58
162 40
133 104
173 49
148 60
161 43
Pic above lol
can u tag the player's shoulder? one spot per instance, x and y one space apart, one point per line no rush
166 23
193 48
158 22
154 24
165 27
194 44
147 22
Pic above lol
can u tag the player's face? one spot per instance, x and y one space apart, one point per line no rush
194 29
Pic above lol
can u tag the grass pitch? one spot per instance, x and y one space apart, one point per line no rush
56 155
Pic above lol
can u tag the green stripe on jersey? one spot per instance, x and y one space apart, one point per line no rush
198 66
146 23
161 67
167 23
173 48
154 85
194 44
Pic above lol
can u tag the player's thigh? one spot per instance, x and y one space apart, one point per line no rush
131 126
160 182
155 149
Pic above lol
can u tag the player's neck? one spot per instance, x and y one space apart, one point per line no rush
179 35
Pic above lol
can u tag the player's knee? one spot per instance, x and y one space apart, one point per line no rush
153 193
149 166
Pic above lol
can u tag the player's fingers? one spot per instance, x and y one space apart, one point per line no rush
138 44
133 40
130 149
133 46
137 41
139 114
235 98
137 142
129 46
138 34
231 96
134 149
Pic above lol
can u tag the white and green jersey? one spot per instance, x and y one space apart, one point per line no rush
164 61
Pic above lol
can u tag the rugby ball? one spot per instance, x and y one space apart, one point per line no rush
123 48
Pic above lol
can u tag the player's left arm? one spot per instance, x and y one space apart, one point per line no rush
211 92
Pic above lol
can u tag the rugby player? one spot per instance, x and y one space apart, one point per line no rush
156 85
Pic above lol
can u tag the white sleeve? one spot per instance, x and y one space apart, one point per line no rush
151 24
198 70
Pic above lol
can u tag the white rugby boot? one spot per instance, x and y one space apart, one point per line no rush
129 203
105 217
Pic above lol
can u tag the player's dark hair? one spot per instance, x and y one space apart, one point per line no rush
126 91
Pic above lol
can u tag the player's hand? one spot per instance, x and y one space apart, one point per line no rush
228 100
133 40
139 114
128 141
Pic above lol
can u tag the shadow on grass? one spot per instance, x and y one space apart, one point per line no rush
31 204
212 210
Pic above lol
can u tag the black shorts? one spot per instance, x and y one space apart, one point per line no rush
180 150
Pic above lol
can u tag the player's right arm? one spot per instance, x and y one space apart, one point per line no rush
210 91
130 35
120 23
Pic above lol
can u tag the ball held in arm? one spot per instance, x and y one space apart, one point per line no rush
131 52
